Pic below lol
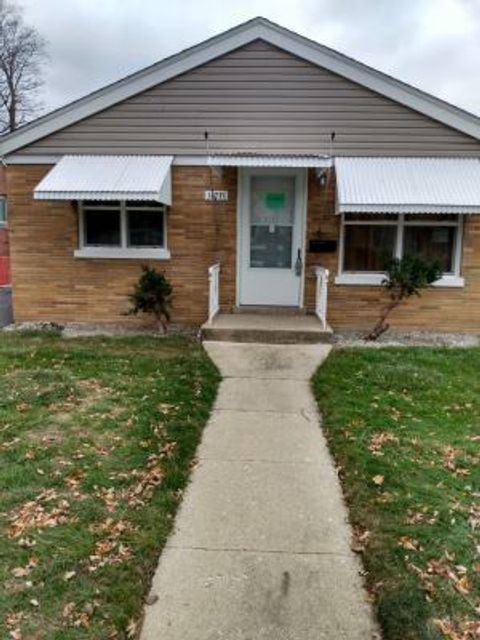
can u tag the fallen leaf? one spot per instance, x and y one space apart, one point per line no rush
68 575
68 610
378 440
409 543
132 628
378 480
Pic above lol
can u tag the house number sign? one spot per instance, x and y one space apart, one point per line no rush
216 196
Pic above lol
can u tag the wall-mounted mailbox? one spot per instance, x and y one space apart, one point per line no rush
322 246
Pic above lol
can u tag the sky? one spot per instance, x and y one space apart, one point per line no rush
431 44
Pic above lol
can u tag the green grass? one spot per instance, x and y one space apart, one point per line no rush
404 428
97 438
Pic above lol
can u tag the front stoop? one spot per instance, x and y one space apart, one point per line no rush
267 329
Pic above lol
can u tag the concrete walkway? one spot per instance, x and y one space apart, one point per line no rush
261 547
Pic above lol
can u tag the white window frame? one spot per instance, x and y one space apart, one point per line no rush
123 251
4 222
375 278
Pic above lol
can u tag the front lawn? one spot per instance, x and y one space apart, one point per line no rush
97 438
404 428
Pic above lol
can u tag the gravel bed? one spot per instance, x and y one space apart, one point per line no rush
341 339
406 339
87 329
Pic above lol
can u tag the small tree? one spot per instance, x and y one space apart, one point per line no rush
152 294
406 277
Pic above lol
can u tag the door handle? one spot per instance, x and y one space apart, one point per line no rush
298 263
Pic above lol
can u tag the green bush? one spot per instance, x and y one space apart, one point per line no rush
153 295
405 277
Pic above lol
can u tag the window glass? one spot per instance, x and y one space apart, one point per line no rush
145 228
3 210
271 221
272 200
102 228
271 248
368 247
431 242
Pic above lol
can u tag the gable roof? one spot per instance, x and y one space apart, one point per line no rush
258 28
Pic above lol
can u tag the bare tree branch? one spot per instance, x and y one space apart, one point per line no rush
22 55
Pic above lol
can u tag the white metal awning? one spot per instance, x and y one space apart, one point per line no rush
270 160
108 178
408 185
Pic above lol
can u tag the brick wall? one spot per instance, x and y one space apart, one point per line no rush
4 243
440 309
50 284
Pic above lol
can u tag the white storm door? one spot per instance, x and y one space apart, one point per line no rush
272 212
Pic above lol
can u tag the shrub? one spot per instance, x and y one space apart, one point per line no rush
404 278
152 294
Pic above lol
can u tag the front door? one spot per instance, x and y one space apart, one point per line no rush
272 212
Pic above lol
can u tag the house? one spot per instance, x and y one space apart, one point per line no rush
251 169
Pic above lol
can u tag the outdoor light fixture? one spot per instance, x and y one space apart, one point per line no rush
322 175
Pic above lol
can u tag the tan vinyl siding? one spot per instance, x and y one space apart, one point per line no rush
259 98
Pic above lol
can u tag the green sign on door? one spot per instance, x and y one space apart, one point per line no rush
275 200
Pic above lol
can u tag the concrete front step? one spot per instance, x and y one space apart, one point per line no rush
267 329
270 311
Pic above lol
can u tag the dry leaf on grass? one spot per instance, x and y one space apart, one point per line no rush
450 455
474 516
378 480
12 620
34 514
132 628
359 539
443 568
466 630
378 440
409 543
68 575
423 516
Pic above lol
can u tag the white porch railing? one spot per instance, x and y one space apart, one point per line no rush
321 294
213 291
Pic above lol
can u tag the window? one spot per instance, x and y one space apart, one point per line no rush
368 241
101 228
431 242
271 224
367 247
145 228
3 211
122 229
